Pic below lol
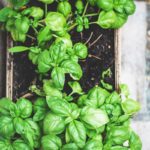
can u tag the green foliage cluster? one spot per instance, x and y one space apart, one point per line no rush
97 120
55 120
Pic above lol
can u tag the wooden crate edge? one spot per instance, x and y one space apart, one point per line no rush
117 48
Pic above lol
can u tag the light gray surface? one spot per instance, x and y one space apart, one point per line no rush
133 53
134 66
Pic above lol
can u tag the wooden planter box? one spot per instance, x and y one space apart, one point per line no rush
8 74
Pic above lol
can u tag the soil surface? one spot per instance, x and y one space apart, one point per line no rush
101 56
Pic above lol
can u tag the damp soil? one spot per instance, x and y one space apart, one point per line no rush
101 57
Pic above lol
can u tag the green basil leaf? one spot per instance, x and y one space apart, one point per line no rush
106 73
71 146
51 142
25 107
33 57
50 90
86 23
35 50
118 134
17 3
67 136
73 69
105 4
106 85
68 98
120 21
36 12
74 58
123 118
55 21
130 7
117 110
44 62
135 141
118 148
97 97
107 19
126 7
53 124
19 125
6 127
57 52
114 98
32 133
22 24
36 90
92 133
39 115
40 102
59 106
92 2
5 104
80 28
4 14
82 100
77 133
61 33
76 88
81 50
20 144
75 111
18 36
66 42
36 132
64 8
58 77
18 49
40 109
119 6
94 117
79 6
5 144
47 1
130 106
28 138
124 89
26 11
44 35
108 145
14 111
93 144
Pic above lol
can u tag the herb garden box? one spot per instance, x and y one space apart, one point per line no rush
20 75
104 53
62 81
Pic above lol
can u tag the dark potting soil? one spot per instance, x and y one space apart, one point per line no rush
101 57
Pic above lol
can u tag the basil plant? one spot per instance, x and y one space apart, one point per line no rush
56 118
82 125
16 119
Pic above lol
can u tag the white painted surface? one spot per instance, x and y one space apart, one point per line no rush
133 70
133 52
